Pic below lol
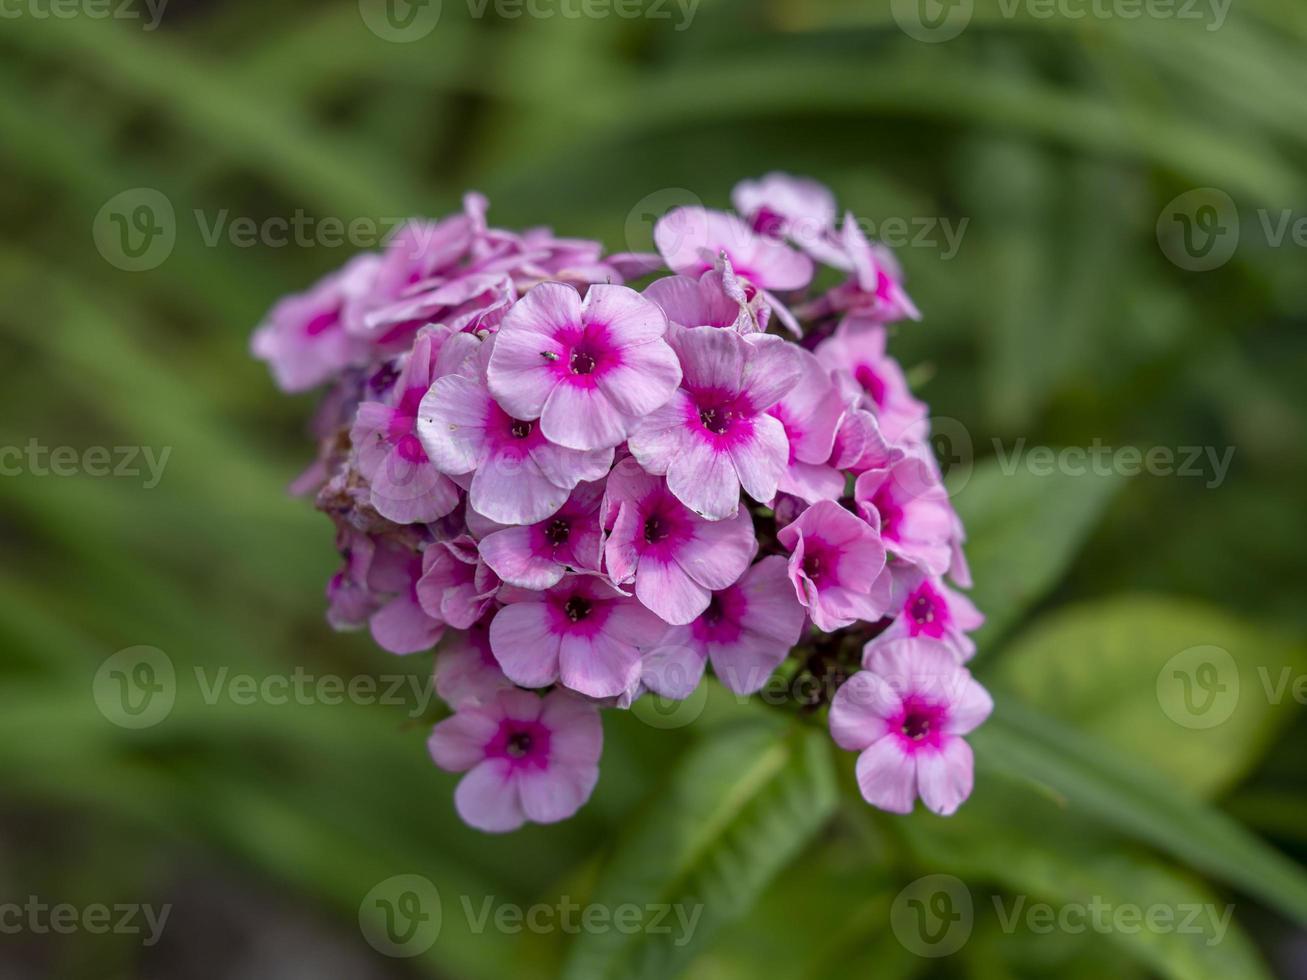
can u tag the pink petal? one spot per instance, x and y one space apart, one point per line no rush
704 479
581 417
451 423
971 706
576 735
644 380
514 491
509 554
672 670
771 370
720 551
657 438
711 359
761 458
459 743
524 645
667 590
556 793
859 710
402 627
602 667
487 798
945 776
630 319
887 777
772 609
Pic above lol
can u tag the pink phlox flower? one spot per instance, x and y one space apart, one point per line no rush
702 302
837 566
860 445
589 369
349 600
303 338
695 240
811 412
872 379
527 758
746 631
405 487
582 633
906 714
675 557
466 669
924 605
910 509
456 586
714 435
799 209
513 473
537 556
401 625
874 292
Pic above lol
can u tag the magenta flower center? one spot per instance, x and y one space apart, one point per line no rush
890 513
920 723
522 743
922 610
577 608
654 531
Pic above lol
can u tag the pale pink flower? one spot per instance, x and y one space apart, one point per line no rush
401 625
514 474
675 557
811 412
466 669
837 566
872 379
527 758
582 633
714 435
906 714
908 506
924 605
405 487
537 556
746 631
456 586
587 369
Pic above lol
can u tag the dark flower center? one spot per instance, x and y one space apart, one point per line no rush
922 609
654 530
713 614
577 608
812 567
916 726
521 430
716 419
519 745
557 532
582 362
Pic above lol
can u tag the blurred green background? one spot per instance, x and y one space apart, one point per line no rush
1057 144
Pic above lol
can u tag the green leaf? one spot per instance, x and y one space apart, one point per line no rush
1023 531
1114 790
735 812
1118 670
1045 855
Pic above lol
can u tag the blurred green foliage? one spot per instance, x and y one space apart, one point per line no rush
1054 143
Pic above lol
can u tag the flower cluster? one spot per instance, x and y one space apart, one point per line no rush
577 491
